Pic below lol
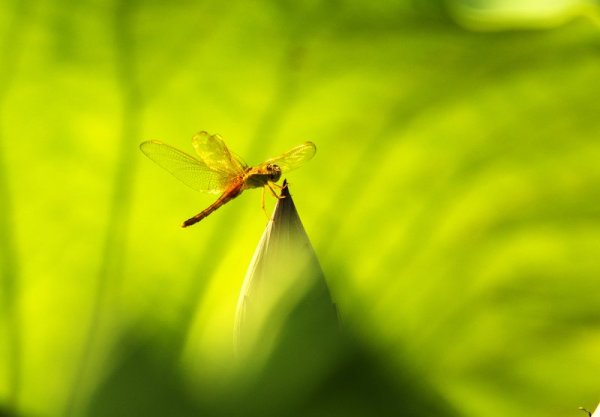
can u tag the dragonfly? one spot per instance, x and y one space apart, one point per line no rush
218 170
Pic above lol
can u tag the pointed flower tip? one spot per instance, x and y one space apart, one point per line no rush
285 214
285 190
283 276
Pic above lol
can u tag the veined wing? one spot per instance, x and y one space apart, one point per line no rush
293 158
216 155
191 171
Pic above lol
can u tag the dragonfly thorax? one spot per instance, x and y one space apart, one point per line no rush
259 176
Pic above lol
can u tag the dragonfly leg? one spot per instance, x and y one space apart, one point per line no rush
270 184
262 202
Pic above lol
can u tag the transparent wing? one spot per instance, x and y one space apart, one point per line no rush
191 171
216 155
294 158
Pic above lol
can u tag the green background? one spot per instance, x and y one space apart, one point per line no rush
454 201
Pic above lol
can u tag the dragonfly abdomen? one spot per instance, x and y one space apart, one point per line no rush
229 194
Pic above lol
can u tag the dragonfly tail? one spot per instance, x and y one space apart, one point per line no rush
224 198
193 220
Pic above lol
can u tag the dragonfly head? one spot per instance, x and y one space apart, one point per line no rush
274 172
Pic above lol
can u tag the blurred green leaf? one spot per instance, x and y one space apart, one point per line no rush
465 163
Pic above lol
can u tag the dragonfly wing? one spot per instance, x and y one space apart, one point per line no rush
189 170
216 155
293 158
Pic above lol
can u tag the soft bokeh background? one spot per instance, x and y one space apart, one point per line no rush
454 201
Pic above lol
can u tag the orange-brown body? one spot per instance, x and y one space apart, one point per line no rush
256 177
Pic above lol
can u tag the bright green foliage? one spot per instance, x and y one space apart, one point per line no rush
453 203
